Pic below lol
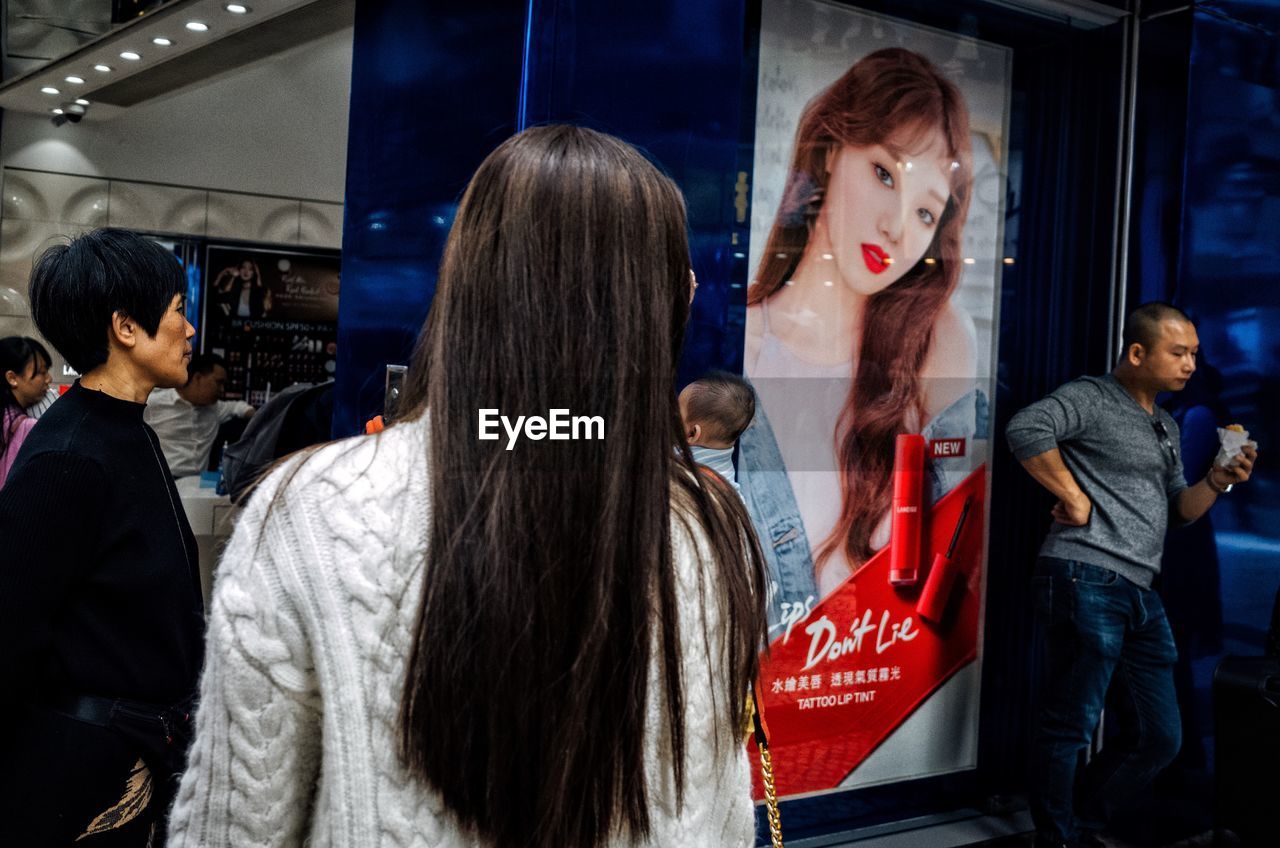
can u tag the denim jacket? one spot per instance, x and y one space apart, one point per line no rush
771 503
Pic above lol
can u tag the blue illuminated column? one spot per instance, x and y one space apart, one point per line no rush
437 85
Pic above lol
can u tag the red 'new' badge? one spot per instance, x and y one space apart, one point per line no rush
946 448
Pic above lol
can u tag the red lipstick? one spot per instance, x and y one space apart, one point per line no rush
908 483
875 257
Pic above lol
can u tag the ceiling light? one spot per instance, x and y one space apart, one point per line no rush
106 69
76 80
197 26
80 101
56 111
130 55
236 8
48 89
160 41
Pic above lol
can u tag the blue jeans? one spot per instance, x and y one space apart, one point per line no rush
1100 631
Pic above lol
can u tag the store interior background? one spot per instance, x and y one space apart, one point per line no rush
386 109
250 149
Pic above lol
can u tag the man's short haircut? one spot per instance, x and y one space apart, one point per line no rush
77 288
722 403
204 363
1143 324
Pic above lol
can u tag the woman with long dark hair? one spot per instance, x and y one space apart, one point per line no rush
24 367
438 636
242 290
851 335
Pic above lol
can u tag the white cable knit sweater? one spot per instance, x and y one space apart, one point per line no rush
309 633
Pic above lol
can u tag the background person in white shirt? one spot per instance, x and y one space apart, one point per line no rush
187 419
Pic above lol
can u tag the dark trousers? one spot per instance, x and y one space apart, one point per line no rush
1101 631
56 775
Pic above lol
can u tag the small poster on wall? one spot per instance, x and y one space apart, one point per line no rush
875 264
273 315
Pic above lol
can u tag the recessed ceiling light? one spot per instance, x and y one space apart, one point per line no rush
197 26
76 80
236 8
48 89
80 101
161 41
56 111
130 55
106 69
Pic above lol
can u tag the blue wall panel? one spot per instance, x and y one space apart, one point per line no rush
435 86
1207 194
665 76
1230 252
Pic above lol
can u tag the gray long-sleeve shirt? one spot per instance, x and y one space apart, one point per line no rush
1130 472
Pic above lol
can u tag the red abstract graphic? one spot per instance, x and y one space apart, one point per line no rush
862 661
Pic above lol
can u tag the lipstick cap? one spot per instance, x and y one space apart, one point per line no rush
937 589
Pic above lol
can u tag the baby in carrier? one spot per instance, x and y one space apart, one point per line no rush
716 409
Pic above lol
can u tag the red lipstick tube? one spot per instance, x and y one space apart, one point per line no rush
942 576
908 488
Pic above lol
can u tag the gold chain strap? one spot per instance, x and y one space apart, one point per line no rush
770 797
766 774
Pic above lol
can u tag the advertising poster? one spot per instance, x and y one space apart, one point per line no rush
871 317
273 315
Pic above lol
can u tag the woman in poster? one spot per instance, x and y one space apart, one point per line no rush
243 291
851 334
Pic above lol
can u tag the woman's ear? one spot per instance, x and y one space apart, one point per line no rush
829 148
124 330
11 377
813 203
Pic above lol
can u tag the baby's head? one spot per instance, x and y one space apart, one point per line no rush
716 409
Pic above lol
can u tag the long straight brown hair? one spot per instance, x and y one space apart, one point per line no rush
550 584
892 97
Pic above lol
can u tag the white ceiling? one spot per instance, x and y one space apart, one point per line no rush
23 93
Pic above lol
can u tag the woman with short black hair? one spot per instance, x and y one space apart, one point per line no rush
101 616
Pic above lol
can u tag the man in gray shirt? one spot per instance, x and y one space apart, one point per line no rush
1111 457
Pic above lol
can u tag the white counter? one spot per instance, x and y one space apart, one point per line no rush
211 516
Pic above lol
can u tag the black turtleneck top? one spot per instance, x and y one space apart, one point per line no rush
99 580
